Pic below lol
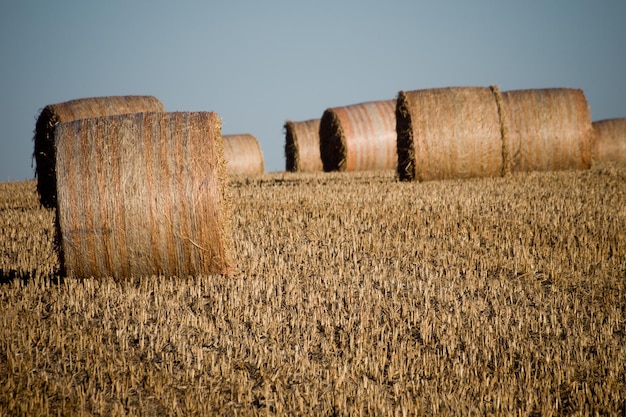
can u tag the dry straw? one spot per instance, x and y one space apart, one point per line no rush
83 108
243 155
548 129
360 137
454 132
142 194
302 146
610 140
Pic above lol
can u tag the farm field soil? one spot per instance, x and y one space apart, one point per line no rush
354 294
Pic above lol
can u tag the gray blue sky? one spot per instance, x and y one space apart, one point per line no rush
259 63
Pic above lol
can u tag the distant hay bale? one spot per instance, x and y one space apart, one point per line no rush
448 133
610 140
359 137
243 155
68 111
548 129
302 146
142 194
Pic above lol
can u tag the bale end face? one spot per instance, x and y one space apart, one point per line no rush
292 154
404 131
333 147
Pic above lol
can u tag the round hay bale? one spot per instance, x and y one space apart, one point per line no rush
243 155
142 194
610 140
302 146
68 111
360 137
548 129
447 133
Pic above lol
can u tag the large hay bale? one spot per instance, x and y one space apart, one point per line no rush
142 194
68 111
359 137
302 146
243 155
446 133
610 140
548 129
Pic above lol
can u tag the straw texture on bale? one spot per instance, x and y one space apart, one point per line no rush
447 133
243 155
68 111
302 146
142 194
360 137
548 129
610 140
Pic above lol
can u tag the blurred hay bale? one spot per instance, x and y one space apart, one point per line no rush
142 194
302 146
447 133
68 111
610 140
359 137
243 155
548 129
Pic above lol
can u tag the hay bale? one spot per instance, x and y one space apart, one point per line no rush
243 155
548 129
360 137
447 133
142 194
610 140
302 146
83 108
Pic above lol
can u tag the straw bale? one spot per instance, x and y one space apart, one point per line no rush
302 146
243 155
447 133
359 137
142 194
68 111
548 129
610 140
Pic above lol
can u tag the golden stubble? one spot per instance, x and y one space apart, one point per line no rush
354 294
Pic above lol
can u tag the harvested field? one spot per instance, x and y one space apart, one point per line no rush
243 155
610 140
355 294
142 194
359 137
68 111
302 146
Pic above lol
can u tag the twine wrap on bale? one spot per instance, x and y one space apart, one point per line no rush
548 129
243 155
83 108
360 137
302 146
610 140
142 194
447 133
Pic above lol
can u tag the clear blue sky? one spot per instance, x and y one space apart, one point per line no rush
258 63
